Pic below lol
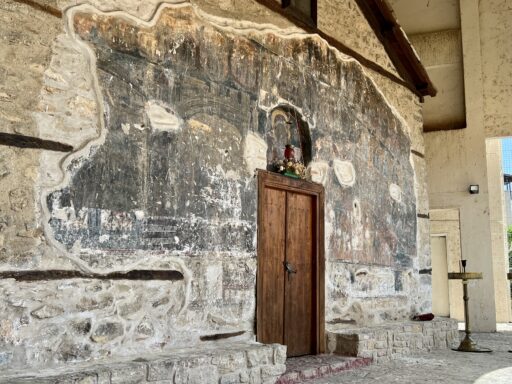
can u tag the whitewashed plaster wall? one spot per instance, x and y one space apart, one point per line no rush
496 47
457 159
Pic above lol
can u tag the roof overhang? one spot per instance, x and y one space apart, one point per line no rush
382 20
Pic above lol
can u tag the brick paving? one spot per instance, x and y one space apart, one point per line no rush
439 367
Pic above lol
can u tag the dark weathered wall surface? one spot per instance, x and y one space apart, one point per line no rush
180 98
185 106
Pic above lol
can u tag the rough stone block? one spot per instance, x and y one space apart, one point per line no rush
202 374
279 353
93 379
132 373
230 362
162 369
107 331
47 311
347 345
268 371
259 356
104 376
381 344
398 343
81 327
244 377
254 375
230 378
428 341
440 340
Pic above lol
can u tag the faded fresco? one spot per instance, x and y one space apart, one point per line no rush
180 99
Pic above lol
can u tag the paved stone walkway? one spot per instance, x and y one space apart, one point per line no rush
440 367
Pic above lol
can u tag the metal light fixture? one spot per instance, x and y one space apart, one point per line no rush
474 189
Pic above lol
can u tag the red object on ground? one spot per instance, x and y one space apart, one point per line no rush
424 317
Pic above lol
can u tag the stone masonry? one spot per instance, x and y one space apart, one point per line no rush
230 363
389 341
444 366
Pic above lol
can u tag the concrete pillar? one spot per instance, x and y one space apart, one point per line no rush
457 159
498 230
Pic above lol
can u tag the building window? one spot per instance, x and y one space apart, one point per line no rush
304 10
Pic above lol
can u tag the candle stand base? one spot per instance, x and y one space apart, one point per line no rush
469 345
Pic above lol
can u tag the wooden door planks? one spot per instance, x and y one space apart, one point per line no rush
267 303
270 300
300 289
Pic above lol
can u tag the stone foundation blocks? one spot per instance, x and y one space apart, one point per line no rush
229 363
385 342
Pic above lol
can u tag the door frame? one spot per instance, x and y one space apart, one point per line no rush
445 277
446 222
277 181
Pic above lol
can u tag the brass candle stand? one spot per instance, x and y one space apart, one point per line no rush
467 344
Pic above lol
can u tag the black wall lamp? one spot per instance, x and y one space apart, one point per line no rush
474 189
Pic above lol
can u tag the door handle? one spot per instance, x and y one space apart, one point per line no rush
289 268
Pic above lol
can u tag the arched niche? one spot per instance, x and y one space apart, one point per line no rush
287 126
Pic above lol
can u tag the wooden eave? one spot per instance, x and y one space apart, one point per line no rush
381 19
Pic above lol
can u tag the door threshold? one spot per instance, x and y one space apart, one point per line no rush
309 367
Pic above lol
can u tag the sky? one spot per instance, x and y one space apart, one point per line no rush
506 145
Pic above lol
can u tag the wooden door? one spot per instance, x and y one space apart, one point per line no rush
270 299
299 289
290 264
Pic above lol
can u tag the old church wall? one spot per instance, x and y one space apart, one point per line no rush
168 119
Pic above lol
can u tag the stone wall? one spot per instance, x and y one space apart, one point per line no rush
386 342
165 116
229 364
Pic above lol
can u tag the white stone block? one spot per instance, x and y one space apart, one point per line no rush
319 171
345 172
255 152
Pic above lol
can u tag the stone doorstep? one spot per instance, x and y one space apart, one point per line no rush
387 341
217 363
300 369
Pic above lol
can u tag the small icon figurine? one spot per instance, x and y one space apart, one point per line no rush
289 152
